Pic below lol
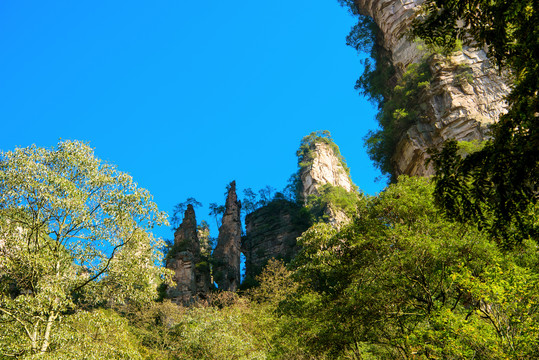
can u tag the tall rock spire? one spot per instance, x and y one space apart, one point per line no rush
190 274
227 252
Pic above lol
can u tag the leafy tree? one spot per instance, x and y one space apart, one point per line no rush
402 281
179 211
500 180
74 231
217 211
249 202
265 195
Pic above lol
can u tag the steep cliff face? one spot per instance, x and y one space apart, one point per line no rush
271 232
227 252
190 274
324 168
457 106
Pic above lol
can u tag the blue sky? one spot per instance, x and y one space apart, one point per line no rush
185 95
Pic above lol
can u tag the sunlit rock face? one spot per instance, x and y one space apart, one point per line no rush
326 168
456 107
227 252
193 282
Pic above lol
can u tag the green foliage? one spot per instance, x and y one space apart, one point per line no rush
500 181
332 198
75 231
468 194
217 211
398 112
401 281
98 334
213 333
464 75
470 147
308 143
377 79
179 210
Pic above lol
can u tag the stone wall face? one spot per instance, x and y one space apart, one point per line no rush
227 252
454 109
271 233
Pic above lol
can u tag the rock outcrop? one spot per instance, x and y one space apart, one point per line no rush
456 107
324 168
226 269
191 274
271 232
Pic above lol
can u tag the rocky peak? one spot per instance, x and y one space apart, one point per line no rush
186 235
192 280
325 167
227 252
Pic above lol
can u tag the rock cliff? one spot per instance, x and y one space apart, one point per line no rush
456 107
191 274
227 252
271 232
325 168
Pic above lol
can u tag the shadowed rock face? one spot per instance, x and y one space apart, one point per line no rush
227 252
453 108
271 233
193 280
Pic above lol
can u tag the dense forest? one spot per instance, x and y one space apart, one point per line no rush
445 267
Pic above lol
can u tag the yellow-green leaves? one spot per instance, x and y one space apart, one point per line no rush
74 231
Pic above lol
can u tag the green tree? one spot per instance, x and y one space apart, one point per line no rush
499 182
74 231
217 211
402 281
179 210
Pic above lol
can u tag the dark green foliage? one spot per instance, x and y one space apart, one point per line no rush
502 178
292 190
397 114
397 100
377 79
217 211
179 210
466 192
332 197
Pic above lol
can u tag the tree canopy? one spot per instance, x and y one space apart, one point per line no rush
74 231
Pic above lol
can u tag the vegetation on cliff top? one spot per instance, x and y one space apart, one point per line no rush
308 145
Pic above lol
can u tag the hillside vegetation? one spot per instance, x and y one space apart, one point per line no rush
439 268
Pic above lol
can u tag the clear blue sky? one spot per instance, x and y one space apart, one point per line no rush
184 95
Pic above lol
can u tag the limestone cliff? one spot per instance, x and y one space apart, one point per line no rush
324 167
227 252
455 107
190 273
